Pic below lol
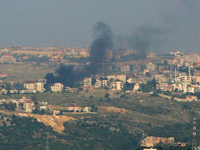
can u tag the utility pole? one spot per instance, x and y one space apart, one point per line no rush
47 141
194 144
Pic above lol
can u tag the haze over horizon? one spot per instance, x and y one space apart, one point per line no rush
67 23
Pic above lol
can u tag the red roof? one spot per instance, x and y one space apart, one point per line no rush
191 96
29 81
29 101
74 106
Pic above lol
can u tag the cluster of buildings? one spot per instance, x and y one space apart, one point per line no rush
112 82
29 86
55 54
175 71
180 74
27 105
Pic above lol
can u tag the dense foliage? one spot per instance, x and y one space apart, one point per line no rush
94 133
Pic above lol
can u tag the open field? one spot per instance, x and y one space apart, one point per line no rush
24 71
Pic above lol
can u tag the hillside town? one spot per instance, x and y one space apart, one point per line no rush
174 72
174 76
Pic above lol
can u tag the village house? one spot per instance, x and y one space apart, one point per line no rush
33 86
3 75
125 68
29 85
57 88
87 82
7 58
122 77
27 104
136 87
74 108
98 84
191 98
151 67
71 90
87 109
117 85
56 112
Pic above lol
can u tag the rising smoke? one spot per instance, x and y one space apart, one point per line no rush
142 40
145 38
103 40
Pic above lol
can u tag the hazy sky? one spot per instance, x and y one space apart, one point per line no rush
69 23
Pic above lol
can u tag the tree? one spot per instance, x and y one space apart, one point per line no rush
107 95
8 86
148 74
8 93
152 83
93 80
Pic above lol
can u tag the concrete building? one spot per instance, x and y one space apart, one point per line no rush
151 67
105 83
57 87
29 85
7 58
125 68
191 98
28 104
98 84
117 85
74 108
39 87
71 90
136 87
122 77
87 82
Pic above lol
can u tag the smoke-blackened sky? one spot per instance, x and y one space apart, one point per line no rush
69 23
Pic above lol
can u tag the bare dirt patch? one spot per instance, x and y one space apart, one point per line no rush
113 109
56 122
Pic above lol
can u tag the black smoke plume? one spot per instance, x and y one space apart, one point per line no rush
144 38
65 75
103 40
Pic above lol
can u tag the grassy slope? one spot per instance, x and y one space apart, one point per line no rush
24 71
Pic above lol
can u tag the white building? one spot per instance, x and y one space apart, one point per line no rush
57 87
131 80
87 82
105 83
98 84
117 85
136 86
125 68
39 87
151 67
122 77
